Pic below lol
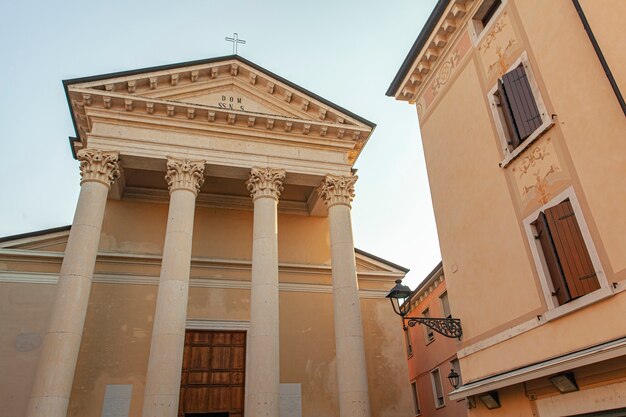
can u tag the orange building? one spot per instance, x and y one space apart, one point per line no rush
521 111
431 355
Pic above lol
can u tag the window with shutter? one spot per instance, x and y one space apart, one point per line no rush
518 105
567 259
437 388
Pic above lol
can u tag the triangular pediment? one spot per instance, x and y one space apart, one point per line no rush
232 94
366 262
227 94
53 240
222 83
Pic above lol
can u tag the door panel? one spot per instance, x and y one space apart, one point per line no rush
213 374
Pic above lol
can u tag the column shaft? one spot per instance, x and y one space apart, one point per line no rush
162 389
57 362
351 366
263 368
350 348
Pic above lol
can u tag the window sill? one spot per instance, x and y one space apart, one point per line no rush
510 156
577 304
440 406
429 341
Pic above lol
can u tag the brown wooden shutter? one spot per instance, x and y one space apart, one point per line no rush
522 102
513 137
574 258
552 261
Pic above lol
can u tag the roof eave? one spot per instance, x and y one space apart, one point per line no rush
417 47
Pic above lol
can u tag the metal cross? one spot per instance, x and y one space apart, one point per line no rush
235 40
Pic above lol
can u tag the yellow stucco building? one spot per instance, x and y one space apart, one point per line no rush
210 269
522 116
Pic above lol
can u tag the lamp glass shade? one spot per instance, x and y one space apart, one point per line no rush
398 295
454 378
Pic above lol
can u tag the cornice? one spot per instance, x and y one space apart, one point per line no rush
31 256
435 279
434 49
51 279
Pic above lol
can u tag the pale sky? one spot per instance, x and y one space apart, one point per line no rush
345 51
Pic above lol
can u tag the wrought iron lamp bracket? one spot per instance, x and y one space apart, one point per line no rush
448 327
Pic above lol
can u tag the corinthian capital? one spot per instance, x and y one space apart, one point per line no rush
100 166
265 182
184 174
337 190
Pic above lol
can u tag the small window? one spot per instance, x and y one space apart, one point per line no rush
445 305
428 332
567 259
409 345
416 399
485 13
517 106
435 376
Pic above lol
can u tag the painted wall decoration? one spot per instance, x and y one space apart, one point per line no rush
499 48
444 73
539 174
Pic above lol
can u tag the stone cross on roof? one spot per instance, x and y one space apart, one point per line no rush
235 40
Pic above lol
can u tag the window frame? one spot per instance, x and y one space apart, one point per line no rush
408 342
554 309
498 116
433 383
416 398
478 30
443 305
456 365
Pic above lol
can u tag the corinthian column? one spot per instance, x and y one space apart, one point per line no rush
263 370
338 193
184 179
55 372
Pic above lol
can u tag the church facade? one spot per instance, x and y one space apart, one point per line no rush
210 268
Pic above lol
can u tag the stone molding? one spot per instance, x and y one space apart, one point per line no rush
266 182
99 166
183 174
52 279
338 190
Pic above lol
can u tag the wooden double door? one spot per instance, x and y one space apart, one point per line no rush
213 375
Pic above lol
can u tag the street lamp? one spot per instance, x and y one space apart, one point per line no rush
454 378
448 327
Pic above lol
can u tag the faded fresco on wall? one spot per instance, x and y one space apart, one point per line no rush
444 73
538 174
499 48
